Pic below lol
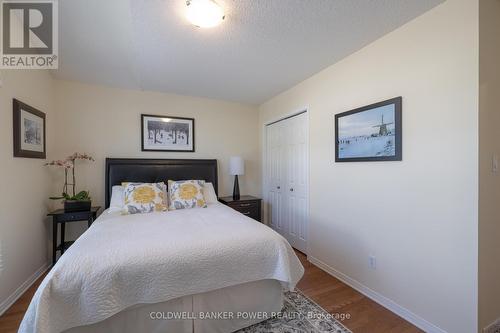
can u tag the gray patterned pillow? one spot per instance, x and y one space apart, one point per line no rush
144 198
186 194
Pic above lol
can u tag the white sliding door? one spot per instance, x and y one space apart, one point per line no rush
287 179
296 181
275 177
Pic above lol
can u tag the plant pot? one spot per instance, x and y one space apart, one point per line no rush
77 206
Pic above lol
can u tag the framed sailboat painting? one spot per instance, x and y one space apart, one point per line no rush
370 133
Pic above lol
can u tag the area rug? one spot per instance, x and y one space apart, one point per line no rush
299 315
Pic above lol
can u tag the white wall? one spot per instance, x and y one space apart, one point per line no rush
418 216
489 144
25 185
105 122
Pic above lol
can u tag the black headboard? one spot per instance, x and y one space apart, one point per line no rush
120 170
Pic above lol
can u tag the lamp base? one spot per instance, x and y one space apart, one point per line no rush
236 189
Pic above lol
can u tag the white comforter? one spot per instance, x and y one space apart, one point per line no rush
122 261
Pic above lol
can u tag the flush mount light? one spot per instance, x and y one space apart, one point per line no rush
204 13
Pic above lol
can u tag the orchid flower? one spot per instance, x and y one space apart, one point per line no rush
69 164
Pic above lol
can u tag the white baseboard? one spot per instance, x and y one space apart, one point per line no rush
7 303
380 299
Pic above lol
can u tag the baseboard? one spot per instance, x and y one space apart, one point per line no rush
380 299
6 304
494 327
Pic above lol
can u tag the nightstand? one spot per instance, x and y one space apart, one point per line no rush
246 205
62 217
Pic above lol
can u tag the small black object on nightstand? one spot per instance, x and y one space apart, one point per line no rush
61 217
246 205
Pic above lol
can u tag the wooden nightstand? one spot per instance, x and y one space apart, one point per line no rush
61 216
246 205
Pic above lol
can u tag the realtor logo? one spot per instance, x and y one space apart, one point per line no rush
29 34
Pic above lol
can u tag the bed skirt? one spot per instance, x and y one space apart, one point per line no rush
223 310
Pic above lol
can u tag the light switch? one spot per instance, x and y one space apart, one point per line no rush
494 166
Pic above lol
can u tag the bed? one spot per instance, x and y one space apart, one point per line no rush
194 270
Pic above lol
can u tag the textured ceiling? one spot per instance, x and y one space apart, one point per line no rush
261 49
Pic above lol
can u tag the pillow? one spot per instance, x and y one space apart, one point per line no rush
117 199
209 193
144 198
165 193
186 194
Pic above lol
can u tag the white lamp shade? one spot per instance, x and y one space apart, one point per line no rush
236 166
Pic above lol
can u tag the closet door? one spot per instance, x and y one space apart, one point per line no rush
286 185
274 174
296 182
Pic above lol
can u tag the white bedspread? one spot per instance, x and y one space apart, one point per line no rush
122 261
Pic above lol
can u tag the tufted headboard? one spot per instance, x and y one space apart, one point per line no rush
120 170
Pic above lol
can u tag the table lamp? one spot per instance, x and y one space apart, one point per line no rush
236 168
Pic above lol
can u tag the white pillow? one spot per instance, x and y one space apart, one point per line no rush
117 199
209 193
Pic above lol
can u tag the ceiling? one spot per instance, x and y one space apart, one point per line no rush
261 49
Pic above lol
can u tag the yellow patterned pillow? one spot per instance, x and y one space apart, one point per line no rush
144 198
186 194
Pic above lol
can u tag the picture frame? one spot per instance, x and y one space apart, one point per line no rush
363 135
29 131
167 133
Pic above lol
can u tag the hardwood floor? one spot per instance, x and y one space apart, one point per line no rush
334 296
10 320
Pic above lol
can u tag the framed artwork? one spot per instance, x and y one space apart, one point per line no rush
370 133
165 133
29 131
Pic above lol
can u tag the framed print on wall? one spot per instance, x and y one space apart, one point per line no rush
165 133
370 133
29 131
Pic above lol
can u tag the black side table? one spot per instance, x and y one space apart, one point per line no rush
61 216
246 205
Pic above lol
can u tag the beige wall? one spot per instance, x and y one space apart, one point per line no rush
24 230
105 122
489 145
418 216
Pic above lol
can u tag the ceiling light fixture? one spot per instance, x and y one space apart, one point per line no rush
204 13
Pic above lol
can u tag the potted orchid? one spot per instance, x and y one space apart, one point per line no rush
76 201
